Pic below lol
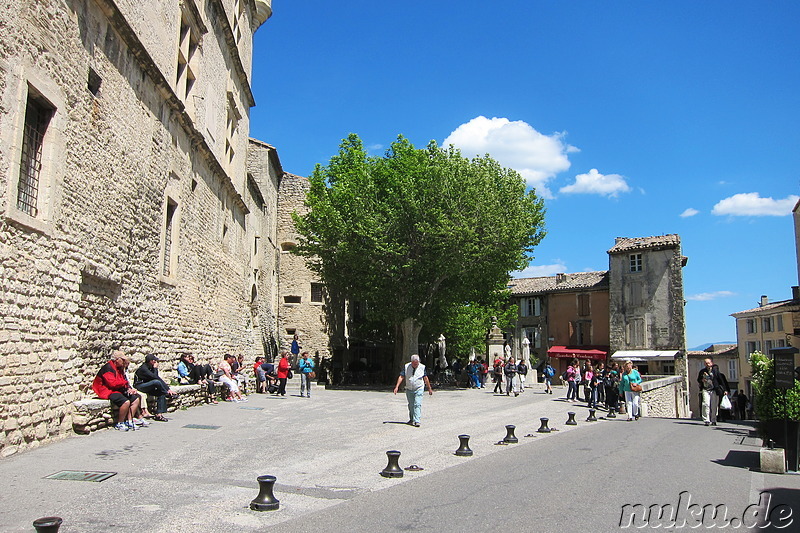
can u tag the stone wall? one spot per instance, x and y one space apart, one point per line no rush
297 312
663 397
91 269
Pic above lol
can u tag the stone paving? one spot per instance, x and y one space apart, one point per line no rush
323 450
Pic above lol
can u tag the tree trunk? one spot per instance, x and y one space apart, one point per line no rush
409 329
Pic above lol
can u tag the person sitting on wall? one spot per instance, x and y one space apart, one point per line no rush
270 376
111 384
190 373
147 380
226 377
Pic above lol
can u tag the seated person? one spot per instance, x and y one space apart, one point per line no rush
226 377
260 378
147 380
112 384
267 370
190 373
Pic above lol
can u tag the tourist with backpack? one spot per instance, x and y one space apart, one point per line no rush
549 372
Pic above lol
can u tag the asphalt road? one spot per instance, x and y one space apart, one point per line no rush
327 451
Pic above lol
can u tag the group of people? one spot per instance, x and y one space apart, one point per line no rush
602 385
509 374
111 383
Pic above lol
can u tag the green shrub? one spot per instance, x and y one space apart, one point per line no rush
772 403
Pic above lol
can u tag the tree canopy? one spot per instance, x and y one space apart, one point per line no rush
417 231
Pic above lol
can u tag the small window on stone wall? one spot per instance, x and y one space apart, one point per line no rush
292 299
287 246
316 292
291 331
94 82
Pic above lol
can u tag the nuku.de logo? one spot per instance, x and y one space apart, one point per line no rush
694 516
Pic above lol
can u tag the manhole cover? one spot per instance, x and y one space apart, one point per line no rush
200 426
79 475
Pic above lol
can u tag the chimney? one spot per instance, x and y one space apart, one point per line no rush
764 300
795 293
561 278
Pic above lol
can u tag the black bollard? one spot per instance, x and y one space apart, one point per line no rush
47 524
393 468
571 420
463 450
592 418
543 428
510 437
611 413
265 501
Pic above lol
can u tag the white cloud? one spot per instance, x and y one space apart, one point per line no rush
689 212
374 147
536 271
595 183
751 204
708 296
515 144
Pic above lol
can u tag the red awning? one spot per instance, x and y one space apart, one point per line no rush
578 353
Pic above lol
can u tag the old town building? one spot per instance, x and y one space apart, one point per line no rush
130 212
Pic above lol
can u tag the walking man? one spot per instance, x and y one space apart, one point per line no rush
711 387
416 380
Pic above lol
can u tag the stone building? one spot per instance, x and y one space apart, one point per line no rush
647 306
129 213
303 299
563 317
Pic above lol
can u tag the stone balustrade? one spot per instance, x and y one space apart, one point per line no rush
663 396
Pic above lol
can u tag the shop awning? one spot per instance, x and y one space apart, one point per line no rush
578 353
645 355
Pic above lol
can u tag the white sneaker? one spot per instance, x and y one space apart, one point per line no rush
141 422
121 427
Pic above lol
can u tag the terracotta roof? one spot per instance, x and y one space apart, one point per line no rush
560 283
626 244
766 308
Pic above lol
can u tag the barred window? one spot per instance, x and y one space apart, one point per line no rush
636 262
37 118
316 292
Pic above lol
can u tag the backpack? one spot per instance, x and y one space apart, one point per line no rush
549 372
564 376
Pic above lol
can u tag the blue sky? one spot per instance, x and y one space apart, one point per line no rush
630 118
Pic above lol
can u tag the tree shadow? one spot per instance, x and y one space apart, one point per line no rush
748 459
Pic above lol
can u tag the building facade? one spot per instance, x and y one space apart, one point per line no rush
563 317
128 217
303 298
646 305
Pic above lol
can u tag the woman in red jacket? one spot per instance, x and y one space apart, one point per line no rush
283 372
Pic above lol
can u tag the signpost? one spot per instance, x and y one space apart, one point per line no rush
783 359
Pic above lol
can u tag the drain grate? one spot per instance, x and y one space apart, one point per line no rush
251 408
200 426
80 475
749 441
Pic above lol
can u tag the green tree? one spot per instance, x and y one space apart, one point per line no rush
417 231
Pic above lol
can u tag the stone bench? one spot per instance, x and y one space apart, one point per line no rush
92 414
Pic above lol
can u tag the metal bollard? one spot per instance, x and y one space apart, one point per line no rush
571 420
265 501
47 524
592 417
463 450
510 437
393 467
543 428
611 413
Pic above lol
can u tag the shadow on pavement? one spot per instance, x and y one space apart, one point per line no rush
748 459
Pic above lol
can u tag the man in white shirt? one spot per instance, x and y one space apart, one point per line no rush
416 380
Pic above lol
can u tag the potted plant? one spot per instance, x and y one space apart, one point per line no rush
777 409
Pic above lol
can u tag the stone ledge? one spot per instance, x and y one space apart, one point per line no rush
91 414
657 383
